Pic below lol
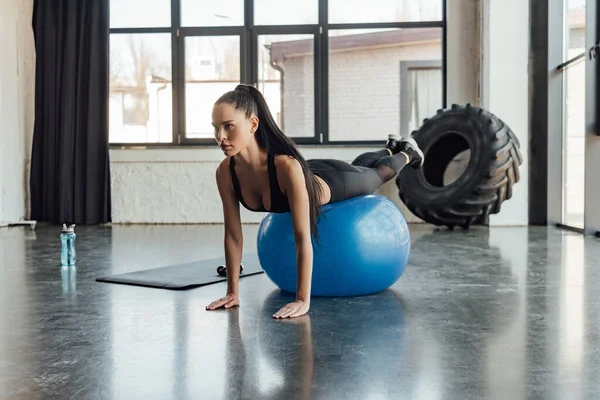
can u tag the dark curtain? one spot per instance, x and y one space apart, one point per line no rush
70 171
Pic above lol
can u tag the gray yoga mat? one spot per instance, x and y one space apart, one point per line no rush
184 276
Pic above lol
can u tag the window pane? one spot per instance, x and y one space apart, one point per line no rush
140 13
575 28
424 95
286 78
361 11
574 116
574 145
141 105
212 67
286 12
212 13
365 73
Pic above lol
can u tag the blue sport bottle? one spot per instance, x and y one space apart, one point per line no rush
67 256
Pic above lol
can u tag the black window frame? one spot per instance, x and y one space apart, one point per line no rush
249 34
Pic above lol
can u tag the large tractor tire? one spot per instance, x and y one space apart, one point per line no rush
489 152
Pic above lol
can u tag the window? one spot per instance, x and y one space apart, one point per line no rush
420 93
334 79
141 100
573 75
286 12
212 67
355 11
286 77
140 13
365 81
212 13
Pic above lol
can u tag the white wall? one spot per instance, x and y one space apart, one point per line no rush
174 186
16 106
299 96
506 93
364 89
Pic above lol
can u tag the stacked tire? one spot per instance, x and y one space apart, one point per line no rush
489 174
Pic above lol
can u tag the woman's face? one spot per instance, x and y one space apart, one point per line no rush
233 131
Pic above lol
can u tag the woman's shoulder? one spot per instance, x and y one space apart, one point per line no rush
223 168
286 161
288 170
225 163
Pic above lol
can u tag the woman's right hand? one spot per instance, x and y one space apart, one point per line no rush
230 300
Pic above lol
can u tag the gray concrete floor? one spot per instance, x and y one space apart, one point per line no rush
505 313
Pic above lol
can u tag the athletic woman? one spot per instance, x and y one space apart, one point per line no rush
264 171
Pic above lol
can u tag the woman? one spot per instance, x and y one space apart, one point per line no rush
264 171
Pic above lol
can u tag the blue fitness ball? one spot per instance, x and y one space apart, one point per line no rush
364 247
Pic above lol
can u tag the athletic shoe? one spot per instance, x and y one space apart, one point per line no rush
392 143
411 149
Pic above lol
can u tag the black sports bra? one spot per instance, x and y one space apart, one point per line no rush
279 201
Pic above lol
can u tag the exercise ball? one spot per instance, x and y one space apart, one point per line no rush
364 247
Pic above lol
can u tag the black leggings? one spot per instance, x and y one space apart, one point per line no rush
363 176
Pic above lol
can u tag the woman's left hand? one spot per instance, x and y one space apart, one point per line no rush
292 310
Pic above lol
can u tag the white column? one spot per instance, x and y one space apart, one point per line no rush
505 88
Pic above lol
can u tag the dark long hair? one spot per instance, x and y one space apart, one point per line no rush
270 138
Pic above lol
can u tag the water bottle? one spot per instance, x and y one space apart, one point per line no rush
67 238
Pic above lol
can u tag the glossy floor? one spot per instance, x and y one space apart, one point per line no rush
505 313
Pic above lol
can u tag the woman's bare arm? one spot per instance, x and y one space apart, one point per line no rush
233 238
291 178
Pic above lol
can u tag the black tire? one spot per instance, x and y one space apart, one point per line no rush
489 176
